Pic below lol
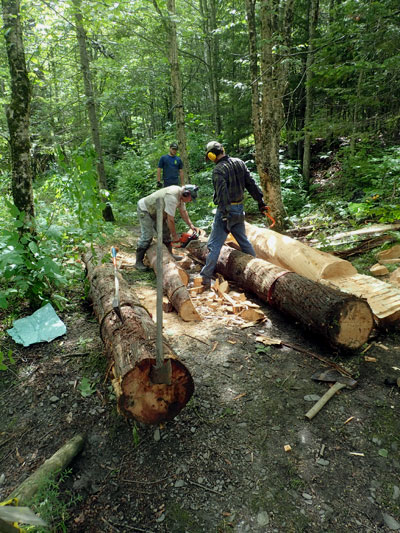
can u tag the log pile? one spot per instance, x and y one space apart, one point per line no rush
130 347
281 250
344 320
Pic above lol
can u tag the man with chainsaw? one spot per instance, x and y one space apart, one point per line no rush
172 197
230 179
172 168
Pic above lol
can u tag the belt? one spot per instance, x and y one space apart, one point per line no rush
236 203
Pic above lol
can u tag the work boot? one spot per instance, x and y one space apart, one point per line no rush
176 257
139 260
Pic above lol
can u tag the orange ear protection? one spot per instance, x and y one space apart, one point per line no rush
211 156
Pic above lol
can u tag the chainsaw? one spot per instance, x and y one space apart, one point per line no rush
185 239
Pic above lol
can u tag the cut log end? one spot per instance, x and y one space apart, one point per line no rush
141 399
188 312
355 324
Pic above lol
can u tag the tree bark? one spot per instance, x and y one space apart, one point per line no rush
175 280
131 347
276 22
254 79
313 18
343 320
281 250
18 114
91 107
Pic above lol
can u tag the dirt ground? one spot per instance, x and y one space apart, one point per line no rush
221 464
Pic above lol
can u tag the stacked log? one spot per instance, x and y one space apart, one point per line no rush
344 320
281 250
130 346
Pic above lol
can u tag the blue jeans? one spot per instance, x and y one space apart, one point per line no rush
218 236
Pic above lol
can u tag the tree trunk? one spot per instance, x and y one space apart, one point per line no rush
313 18
345 321
276 22
131 347
177 96
91 107
18 114
254 79
281 250
175 280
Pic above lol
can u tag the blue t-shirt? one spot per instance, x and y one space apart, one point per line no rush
170 165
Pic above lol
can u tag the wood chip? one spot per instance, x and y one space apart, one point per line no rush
252 315
287 448
348 420
268 341
240 396
370 359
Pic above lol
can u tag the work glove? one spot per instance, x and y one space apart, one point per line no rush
159 185
262 208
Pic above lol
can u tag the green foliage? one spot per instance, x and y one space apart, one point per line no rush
135 435
370 178
86 388
28 265
3 366
294 194
40 266
51 505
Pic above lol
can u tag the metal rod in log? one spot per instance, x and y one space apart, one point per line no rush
159 344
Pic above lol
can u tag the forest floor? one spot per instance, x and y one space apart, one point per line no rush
221 464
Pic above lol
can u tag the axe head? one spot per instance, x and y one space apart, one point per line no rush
333 376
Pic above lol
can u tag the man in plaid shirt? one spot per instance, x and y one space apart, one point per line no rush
230 179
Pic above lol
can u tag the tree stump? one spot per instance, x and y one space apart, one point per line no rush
131 347
344 320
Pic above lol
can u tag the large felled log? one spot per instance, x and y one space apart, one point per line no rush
286 252
131 347
175 280
281 250
345 321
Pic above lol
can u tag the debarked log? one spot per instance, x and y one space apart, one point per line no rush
344 320
131 347
175 280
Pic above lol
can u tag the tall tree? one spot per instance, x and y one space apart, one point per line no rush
276 22
177 94
18 113
91 107
208 10
313 18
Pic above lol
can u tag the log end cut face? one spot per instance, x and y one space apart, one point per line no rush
355 324
152 403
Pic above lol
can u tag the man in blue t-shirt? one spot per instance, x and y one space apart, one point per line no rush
171 166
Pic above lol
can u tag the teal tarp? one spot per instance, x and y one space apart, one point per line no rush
43 325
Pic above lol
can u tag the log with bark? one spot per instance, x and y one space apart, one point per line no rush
344 320
55 464
281 250
175 280
131 347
